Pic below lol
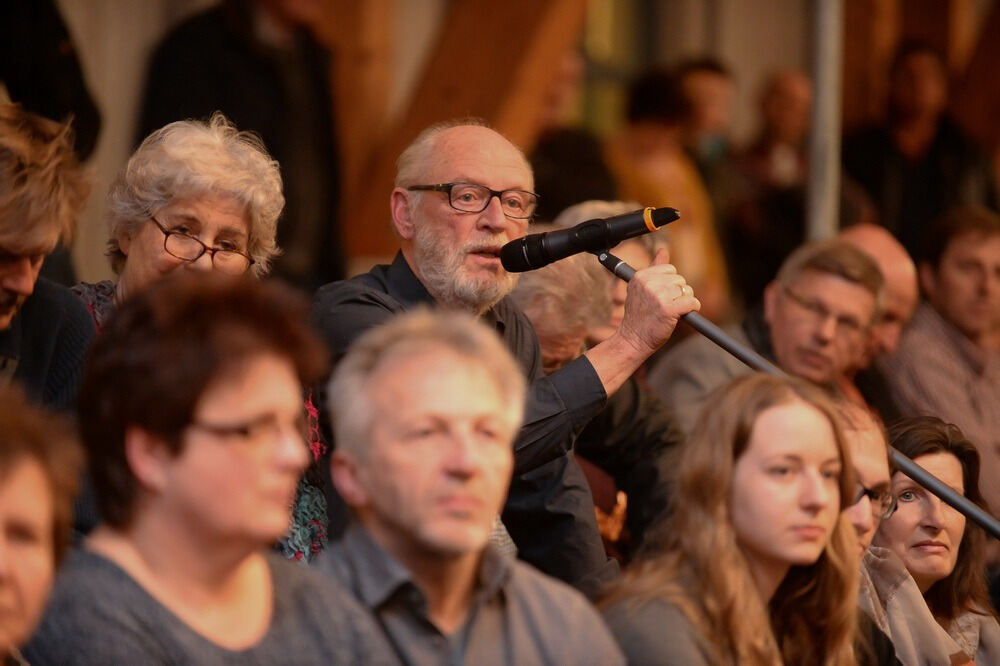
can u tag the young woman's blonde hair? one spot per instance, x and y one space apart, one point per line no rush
693 559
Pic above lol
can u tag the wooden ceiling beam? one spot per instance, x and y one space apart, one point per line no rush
493 60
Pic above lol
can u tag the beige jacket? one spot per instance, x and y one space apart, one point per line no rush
890 596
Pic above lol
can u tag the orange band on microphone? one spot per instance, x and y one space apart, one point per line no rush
647 217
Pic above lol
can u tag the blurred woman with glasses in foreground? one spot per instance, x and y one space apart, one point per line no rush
933 544
192 416
754 564
195 195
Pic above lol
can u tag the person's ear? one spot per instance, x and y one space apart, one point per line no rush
771 300
124 238
344 473
928 278
399 203
148 457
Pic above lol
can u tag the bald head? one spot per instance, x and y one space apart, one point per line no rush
786 102
439 141
900 284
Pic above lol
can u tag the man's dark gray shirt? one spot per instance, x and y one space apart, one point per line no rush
517 616
549 511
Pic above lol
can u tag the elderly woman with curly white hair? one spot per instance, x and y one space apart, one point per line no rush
195 195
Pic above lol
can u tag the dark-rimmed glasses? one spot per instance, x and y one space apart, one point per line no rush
190 248
882 501
474 198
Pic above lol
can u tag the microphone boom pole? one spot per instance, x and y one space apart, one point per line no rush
961 503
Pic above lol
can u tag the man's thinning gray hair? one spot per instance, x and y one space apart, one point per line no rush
417 157
407 336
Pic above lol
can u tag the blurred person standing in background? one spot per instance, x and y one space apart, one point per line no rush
259 63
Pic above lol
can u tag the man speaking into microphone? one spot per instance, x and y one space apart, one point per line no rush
462 192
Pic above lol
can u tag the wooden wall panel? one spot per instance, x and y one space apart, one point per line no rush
871 31
976 103
493 60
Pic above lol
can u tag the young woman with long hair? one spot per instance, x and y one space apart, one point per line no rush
754 564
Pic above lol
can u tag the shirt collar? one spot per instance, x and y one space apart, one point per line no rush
404 286
975 358
377 575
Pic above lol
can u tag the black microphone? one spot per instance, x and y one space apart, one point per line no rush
537 250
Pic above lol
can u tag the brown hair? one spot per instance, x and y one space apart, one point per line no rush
162 349
955 222
694 560
42 185
28 432
965 588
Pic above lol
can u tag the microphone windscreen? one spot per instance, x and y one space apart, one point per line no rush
524 254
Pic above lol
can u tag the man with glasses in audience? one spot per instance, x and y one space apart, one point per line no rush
872 503
44 330
815 323
462 192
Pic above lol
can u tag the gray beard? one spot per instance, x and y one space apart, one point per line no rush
442 272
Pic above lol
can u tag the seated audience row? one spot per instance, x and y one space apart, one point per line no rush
192 414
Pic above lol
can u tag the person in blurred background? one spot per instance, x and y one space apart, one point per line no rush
815 323
40 69
709 88
650 166
919 163
866 383
637 252
946 364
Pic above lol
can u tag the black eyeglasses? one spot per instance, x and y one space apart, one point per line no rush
190 248
883 503
474 198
